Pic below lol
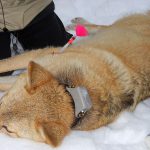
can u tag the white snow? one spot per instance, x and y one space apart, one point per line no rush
128 132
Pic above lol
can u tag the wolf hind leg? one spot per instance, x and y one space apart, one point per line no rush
92 28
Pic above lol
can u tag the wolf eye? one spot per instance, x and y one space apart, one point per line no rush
5 127
8 132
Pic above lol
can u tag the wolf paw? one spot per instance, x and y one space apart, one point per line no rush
79 20
70 27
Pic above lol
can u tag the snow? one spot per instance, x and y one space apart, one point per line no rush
130 130
99 11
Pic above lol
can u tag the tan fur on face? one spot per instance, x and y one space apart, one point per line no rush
113 64
34 96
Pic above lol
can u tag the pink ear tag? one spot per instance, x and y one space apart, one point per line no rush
81 30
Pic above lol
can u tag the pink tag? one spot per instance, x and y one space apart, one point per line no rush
81 30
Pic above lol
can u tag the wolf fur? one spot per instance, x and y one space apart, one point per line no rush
113 64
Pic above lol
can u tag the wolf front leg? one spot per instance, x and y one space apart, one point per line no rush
21 61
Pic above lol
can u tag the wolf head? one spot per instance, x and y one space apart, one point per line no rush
37 107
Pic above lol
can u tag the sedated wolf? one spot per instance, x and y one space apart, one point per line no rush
83 88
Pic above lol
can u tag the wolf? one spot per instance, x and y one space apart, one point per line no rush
86 87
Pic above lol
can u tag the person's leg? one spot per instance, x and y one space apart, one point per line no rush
4 45
45 30
5 51
48 32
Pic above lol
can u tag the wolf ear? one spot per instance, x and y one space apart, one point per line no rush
36 75
52 132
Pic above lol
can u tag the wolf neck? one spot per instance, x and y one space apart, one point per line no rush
96 73
73 80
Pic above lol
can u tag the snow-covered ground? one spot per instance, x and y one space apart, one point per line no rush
130 130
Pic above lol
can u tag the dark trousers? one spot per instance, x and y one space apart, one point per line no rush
46 29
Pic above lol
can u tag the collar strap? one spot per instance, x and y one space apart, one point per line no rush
81 100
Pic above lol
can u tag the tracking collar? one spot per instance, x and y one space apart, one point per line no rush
81 100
